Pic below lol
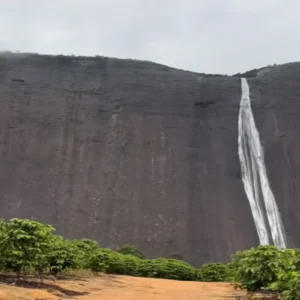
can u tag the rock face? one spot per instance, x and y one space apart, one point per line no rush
276 106
131 152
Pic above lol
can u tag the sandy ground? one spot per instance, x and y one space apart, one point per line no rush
119 288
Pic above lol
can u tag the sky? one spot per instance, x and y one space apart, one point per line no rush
211 36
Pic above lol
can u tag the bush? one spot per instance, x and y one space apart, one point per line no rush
288 279
3 237
291 289
258 267
166 268
83 249
131 250
270 268
108 261
126 265
30 246
215 272
146 268
24 245
61 256
104 260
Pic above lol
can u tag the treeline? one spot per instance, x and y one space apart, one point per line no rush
30 247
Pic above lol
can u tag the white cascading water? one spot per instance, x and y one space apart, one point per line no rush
255 177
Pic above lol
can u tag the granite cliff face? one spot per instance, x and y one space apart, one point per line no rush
131 152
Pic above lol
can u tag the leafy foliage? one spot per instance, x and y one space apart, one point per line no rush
61 255
105 260
257 268
215 272
270 268
32 247
109 261
24 245
166 268
126 265
83 250
291 290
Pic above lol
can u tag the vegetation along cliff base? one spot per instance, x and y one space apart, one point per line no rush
32 255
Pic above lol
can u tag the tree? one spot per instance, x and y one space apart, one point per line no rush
24 245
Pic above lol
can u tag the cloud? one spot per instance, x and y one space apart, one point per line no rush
202 35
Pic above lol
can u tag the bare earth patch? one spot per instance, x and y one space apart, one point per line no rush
109 287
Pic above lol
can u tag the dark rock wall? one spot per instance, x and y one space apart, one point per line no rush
276 106
130 152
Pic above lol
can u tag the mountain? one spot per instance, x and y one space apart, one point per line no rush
133 152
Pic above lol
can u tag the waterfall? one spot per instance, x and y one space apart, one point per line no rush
254 175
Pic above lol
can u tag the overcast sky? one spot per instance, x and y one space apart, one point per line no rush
213 36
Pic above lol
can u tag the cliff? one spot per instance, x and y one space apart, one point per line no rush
132 152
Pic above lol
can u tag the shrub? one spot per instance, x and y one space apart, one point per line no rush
83 249
61 255
104 260
258 267
24 245
166 268
113 262
131 250
146 268
271 268
126 265
3 237
288 279
215 272
291 259
291 289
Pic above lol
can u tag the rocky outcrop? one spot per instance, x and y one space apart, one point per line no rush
131 152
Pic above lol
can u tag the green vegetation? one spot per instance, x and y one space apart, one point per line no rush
267 267
30 247
166 268
215 272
